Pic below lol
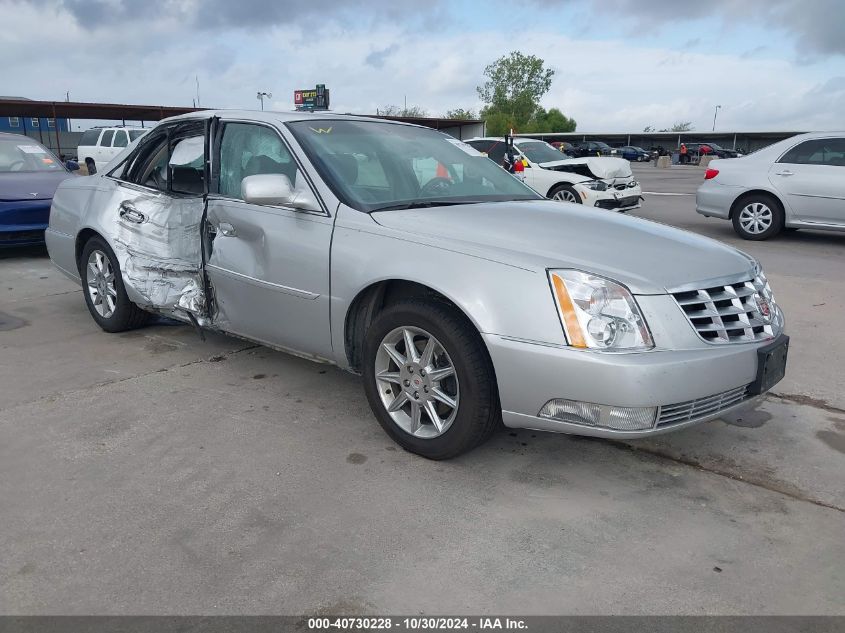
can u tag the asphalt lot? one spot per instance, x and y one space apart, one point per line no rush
149 472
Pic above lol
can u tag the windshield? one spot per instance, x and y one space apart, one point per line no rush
26 155
602 145
713 145
135 134
372 166
540 152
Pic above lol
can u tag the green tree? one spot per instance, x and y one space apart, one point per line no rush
460 113
497 123
513 88
552 120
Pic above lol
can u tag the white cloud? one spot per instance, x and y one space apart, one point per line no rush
604 85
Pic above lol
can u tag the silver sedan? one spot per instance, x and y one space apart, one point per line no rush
400 253
796 183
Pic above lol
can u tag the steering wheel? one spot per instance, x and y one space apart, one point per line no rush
436 186
19 163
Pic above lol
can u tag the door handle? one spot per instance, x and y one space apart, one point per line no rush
130 213
227 229
785 172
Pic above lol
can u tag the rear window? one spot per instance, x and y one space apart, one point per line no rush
90 137
135 134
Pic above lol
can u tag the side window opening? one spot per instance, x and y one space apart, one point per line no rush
186 165
120 139
89 137
105 139
247 149
169 160
822 151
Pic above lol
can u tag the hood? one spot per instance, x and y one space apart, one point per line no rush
598 167
648 257
22 185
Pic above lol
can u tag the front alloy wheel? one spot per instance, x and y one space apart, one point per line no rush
419 386
564 193
428 378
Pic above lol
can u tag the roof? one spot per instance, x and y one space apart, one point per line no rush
77 110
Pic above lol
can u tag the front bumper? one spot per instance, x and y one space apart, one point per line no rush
687 386
23 222
612 199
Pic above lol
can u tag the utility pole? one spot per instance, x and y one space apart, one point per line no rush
198 90
262 95
714 117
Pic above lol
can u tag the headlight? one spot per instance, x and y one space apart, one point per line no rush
595 185
598 313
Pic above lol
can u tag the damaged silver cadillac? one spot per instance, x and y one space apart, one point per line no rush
400 253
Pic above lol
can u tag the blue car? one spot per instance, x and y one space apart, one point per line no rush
634 154
29 176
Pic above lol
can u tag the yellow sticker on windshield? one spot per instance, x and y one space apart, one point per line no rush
321 130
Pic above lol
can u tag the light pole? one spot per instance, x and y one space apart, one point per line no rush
714 117
262 95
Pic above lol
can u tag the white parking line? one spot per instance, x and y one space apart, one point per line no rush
663 193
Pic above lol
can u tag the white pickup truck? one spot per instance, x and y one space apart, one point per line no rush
100 144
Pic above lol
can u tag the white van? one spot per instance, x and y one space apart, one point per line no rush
100 144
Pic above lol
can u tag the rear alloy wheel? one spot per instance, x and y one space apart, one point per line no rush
758 217
105 295
565 193
429 380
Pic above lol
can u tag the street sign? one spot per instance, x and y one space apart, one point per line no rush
316 98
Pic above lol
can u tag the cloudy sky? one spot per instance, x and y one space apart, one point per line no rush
620 64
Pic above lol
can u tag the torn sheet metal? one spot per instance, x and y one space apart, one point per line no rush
158 248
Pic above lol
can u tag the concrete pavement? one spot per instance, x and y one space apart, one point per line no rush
150 472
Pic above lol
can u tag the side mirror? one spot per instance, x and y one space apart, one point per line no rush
276 190
71 165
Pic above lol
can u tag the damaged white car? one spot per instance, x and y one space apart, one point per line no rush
595 181
397 252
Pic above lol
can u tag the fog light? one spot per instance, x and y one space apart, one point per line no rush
572 411
599 415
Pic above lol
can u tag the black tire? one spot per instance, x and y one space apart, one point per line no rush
770 202
126 315
91 166
560 189
478 411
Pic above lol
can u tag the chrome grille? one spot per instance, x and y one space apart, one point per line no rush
734 313
701 407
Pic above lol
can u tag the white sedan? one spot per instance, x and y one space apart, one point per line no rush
594 181
796 183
